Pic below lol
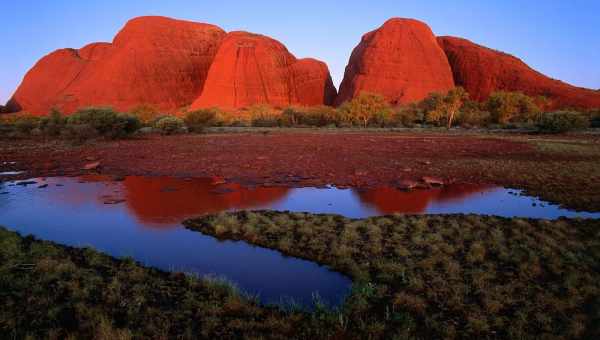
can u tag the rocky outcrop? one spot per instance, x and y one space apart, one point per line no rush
43 84
153 60
401 60
170 64
481 71
254 69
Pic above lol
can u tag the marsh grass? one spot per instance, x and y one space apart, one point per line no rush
444 276
415 277
49 291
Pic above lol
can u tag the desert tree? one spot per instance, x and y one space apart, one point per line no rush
440 108
508 107
366 107
453 101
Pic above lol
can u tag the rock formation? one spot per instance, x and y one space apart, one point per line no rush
401 60
481 71
254 69
153 60
169 64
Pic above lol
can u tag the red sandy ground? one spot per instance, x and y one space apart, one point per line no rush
316 158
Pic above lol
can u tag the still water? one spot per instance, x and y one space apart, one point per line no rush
141 217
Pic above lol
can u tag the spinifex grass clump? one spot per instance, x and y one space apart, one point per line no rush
444 276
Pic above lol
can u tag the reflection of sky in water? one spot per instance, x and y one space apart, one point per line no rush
147 225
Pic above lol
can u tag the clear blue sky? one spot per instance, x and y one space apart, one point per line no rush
558 38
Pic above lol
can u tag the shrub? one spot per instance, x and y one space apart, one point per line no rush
197 121
407 115
169 125
471 114
562 121
3 109
512 107
595 118
53 124
542 102
441 108
129 123
320 116
290 117
226 118
79 133
25 123
366 108
106 122
433 109
147 114
153 122
263 116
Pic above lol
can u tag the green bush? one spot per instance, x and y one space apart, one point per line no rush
53 124
79 133
129 123
197 121
366 108
442 109
471 114
169 125
147 114
407 116
290 117
263 116
321 116
512 107
25 123
106 122
265 120
563 121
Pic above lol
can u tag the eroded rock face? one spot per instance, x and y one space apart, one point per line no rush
254 69
401 60
481 71
153 60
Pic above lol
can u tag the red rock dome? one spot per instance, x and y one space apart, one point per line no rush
481 71
401 60
153 60
254 69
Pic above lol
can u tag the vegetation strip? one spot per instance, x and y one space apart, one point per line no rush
443 276
58 292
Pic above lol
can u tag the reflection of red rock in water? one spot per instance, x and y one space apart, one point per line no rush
390 200
161 201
